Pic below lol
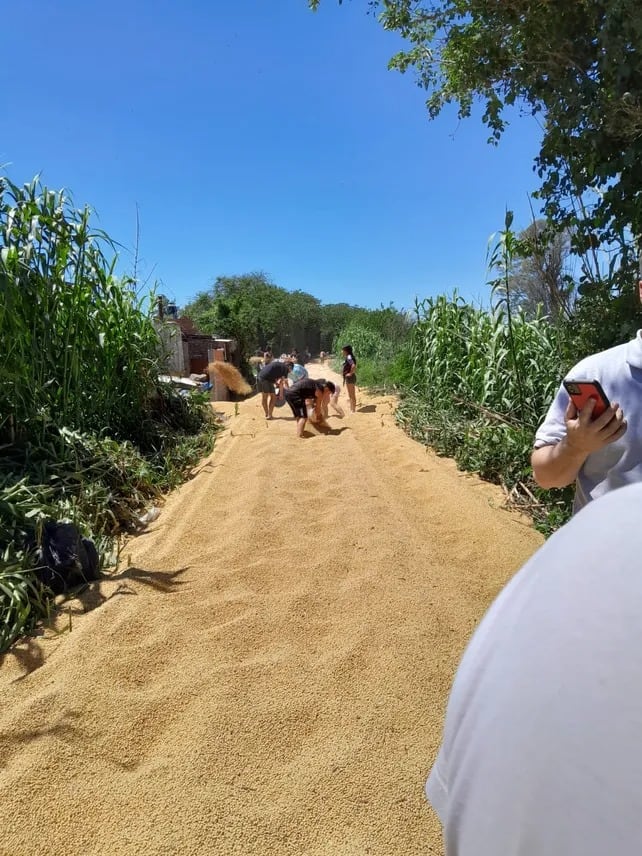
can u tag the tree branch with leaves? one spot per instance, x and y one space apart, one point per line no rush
574 64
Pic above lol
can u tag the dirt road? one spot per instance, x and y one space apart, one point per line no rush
269 674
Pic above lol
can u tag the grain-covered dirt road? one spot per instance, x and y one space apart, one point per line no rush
267 672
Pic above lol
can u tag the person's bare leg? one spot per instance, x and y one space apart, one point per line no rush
271 403
352 395
337 407
264 404
300 426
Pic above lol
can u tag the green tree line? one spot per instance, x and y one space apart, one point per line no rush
260 314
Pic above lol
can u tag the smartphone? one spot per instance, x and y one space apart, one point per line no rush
581 391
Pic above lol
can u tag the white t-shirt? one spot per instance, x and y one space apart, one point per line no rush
542 746
619 371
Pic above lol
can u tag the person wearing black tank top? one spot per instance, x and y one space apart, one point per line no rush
350 375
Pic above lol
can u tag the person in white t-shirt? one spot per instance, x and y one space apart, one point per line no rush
599 454
542 743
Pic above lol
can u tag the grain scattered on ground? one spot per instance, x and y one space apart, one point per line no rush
266 671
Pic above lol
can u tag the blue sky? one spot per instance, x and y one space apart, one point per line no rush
257 135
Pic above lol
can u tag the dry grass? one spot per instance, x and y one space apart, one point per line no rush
231 377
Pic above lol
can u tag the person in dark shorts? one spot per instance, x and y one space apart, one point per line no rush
350 375
304 392
274 373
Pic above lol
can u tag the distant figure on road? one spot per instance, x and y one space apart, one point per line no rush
267 358
350 375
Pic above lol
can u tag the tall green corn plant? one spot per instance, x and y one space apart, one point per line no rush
79 346
440 345
42 262
500 258
86 431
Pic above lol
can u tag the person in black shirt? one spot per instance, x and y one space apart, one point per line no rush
273 373
307 391
350 375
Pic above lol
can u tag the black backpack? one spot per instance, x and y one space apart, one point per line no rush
65 558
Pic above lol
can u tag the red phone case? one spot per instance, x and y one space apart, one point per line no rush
581 391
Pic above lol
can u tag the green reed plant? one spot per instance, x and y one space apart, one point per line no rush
482 380
79 348
22 601
463 356
88 433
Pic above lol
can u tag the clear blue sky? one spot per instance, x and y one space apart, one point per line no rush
256 135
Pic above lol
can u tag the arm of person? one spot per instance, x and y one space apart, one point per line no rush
314 402
558 464
318 406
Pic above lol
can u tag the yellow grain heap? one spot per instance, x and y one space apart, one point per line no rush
231 377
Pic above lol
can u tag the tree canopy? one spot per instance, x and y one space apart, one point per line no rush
257 313
577 64
540 279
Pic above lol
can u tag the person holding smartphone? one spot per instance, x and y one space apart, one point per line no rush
598 453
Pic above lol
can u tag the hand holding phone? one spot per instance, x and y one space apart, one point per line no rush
581 391
587 436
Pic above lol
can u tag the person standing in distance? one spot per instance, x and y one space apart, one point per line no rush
349 372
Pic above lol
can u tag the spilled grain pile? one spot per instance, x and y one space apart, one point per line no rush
230 376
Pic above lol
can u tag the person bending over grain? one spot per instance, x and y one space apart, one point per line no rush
304 392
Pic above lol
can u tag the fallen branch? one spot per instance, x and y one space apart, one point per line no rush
489 413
